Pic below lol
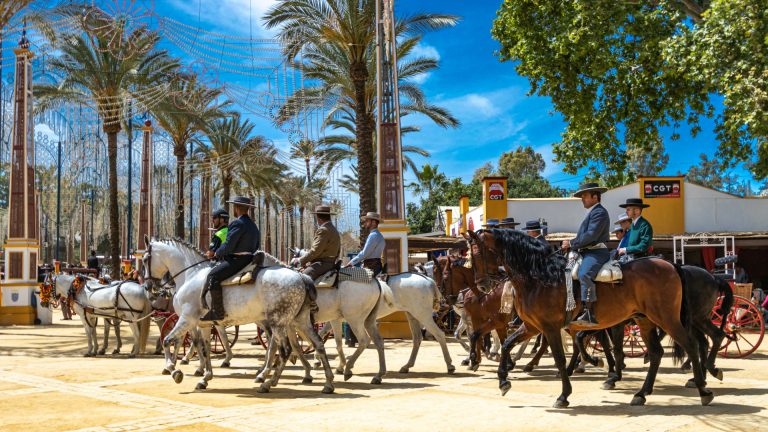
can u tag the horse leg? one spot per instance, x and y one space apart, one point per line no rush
604 340
536 344
616 334
136 339
522 333
159 343
496 343
263 373
539 353
717 336
323 331
105 344
373 331
461 327
204 351
520 351
89 325
554 337
702 345
225 342
294 342
272 347
416 335
429 323
363 339
190 354
655 352
317 342
175 337
285 343
118 339
338 337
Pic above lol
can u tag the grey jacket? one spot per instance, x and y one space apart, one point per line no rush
594 229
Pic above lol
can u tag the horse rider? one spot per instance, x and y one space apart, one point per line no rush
370 256
508 223
533 229
326 246
242 241
640 243
491 224
621 228
93 262
220 219
590 242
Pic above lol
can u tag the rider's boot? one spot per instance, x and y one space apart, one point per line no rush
587 318
217 306
517 322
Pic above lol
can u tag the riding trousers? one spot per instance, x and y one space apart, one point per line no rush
225 269
591 262
319 268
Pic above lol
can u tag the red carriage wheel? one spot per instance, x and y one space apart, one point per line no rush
217 345
744 326
262 336
634 346
168 325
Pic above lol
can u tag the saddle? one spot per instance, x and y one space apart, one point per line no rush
249 273
609 272
332 278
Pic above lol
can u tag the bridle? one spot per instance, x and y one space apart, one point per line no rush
154 284
484 281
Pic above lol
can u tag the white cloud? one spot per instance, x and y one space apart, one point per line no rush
240 17
424 50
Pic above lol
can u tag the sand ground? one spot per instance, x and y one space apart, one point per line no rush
46 384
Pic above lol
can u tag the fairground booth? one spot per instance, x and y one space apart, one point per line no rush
691 224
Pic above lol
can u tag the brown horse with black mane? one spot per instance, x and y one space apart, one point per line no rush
651 292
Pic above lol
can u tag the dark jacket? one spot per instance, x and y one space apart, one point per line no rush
326 245
242 236
93 262
594 229
640 238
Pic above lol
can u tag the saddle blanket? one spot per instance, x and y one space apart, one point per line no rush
354 274
609 272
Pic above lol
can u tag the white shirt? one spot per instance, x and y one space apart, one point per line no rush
586 212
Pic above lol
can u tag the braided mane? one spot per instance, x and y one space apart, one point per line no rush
529 257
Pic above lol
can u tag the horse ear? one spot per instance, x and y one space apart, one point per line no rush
473 236
146 241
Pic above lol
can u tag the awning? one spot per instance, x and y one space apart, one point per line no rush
420 243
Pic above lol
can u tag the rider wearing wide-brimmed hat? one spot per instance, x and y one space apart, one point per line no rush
640 236
590 241
508 222
370 256
533 229
326 245
242 241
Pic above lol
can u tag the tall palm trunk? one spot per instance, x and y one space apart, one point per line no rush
301 227
267 233
226 187
292 227
363 135
114 220
180 151
309 170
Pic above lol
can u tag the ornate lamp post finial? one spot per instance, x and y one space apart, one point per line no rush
24 42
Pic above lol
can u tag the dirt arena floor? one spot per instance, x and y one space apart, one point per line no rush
46 384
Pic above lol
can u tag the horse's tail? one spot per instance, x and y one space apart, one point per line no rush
144 325
386 294
678 355
725 307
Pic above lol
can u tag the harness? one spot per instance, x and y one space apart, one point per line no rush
158 281
73 292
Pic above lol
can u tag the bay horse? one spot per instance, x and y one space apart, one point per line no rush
651 292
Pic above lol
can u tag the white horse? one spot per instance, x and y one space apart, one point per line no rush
124 301
417 296
277 299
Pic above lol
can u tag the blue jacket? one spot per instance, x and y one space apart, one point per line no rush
594 229
243 236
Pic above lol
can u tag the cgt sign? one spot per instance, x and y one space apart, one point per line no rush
496 191
662 189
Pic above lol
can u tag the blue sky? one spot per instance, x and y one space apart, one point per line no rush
486 95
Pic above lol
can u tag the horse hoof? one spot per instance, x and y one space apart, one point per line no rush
200 386
347 375
719 375
600 363
465 362
707 399
259 379
504 387
317 365
608 386
184 361
101 352
451 369
131 355
116 352
528 368
690 384
225 364
328 389
474 367
166 372
88 355
560 403
262 389
376 380
177 376
199 372
580 369
403 369
339 371
307 380
637 401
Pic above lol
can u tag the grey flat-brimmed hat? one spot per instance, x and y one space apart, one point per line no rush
371 215
323 209
589 187
622 218
243 201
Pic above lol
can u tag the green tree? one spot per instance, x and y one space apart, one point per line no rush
427 180
336 39
104 66
523 167
228 137
708 172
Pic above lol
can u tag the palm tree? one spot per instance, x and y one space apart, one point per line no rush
228 137
310 151
184 116
9 8
337 39
427 180
104 70
350 182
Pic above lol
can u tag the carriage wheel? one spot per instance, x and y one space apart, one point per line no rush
634 346
232 334
168 325
54 302
744 325
262 337
217 345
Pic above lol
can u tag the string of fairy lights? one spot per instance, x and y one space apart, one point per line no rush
250 72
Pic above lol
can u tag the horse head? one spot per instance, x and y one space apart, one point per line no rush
166 260
451 277
485 258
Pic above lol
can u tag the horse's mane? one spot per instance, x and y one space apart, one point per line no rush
183 245
529 257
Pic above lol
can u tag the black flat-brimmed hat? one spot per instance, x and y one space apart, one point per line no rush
532 225
243 201
634 202
509 222
323 209
589 187
491 223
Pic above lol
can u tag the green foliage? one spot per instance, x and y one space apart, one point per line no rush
603 65
523 167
